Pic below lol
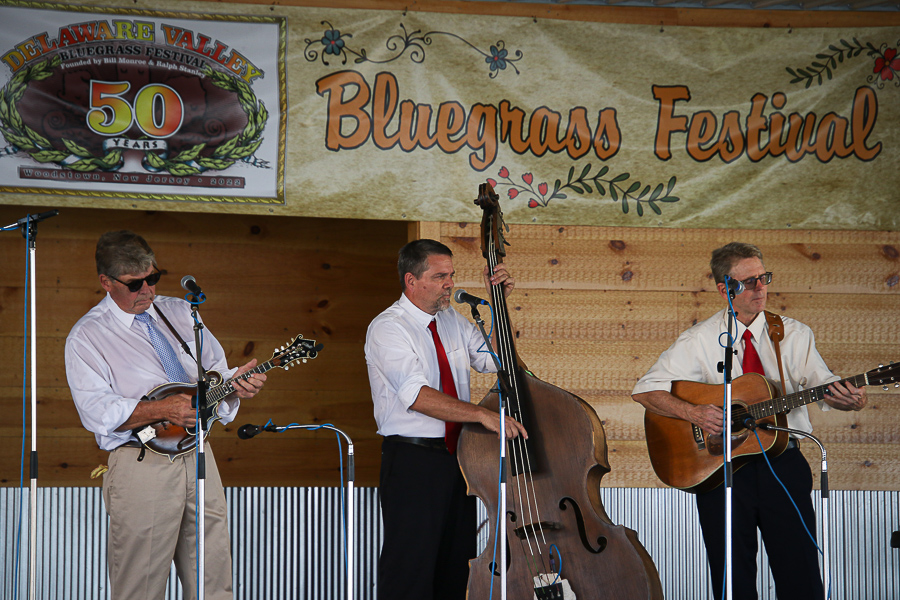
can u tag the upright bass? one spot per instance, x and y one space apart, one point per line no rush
560 541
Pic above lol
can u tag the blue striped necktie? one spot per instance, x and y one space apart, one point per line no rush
170 362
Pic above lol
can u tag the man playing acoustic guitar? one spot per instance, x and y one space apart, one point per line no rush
119 351
758 499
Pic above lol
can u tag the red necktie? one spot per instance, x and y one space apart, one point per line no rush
451 429
751 363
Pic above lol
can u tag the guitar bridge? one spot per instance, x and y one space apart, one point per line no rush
698 437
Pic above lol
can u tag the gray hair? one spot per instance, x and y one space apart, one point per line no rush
121 252
724 258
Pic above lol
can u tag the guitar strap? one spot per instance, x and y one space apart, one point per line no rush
776 333
188 350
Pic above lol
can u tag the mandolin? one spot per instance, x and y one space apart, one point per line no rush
170 440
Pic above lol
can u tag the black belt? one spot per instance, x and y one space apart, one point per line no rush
433 443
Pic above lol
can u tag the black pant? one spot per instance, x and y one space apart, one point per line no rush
758 501
429 525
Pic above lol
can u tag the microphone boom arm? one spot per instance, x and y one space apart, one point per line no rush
350 479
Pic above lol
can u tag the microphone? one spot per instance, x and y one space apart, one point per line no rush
464 297
40 217
248 431
31 221
734 287
190 284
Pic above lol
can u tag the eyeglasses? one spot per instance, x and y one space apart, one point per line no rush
136 284
751 282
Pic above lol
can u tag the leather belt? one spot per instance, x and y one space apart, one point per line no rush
433 443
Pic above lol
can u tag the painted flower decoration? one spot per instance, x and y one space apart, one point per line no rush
497 59
886 65
333 42
619 190
535 197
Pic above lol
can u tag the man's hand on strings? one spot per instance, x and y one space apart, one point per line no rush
499 277
249 387
707 417
843 395
511 427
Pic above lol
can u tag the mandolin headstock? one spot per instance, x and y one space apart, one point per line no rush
298 350
492 224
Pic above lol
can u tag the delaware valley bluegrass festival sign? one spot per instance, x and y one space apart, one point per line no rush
142 105
401 114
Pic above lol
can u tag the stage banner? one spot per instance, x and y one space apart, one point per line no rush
400 115
165 106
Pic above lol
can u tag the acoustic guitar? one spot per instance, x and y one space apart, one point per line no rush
170 440
686 457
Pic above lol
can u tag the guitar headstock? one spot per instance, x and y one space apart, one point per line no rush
298 350
884 375
492 224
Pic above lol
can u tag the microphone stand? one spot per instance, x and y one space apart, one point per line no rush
726 442
202 386
29 232
824 481
350 479
502 410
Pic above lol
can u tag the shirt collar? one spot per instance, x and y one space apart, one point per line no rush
419 316
757 327
126 319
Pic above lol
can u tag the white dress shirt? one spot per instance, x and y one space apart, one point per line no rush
401 359
696 353
111 364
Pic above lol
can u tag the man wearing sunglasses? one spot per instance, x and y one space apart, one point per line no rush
120 350
757 498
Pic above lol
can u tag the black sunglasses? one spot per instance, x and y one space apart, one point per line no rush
136 284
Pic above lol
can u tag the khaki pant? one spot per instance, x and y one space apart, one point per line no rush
152 523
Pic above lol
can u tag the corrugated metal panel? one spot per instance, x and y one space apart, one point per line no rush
286 543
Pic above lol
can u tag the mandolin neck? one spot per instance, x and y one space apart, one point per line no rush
219 392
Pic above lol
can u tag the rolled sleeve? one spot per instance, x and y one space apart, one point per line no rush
394 359
679 362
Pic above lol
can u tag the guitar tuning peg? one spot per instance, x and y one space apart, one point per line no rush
287 366
282 347
884 387
880 366
304 361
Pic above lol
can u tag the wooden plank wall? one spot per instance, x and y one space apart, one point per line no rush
267 279
594 307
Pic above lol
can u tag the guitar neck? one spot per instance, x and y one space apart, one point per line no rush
217 393
797 399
